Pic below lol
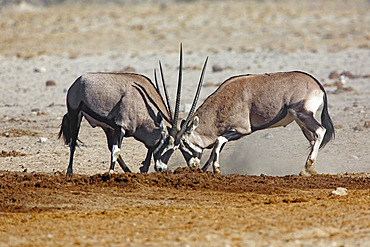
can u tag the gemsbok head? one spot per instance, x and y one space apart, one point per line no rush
246 103
123 105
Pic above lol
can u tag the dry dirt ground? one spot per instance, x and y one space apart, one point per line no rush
183 208
40 206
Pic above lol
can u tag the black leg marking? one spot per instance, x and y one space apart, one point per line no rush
123 164
146 163
117 140
75 123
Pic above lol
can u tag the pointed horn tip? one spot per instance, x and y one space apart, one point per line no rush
206 61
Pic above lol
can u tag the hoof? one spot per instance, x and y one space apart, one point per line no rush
159 166
217 171
304 173
143 169
308 172
194 166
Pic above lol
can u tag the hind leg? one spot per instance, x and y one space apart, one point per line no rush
314 132
75 123
110 138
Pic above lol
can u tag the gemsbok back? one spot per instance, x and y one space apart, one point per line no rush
244 104
123 105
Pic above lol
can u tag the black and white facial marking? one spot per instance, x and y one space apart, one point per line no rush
191 152
163 153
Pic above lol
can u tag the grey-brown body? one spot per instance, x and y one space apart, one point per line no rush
247 103
123 105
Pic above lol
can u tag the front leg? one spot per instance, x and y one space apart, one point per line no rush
216 157
116 147
206 165
146 163
217 148
123 164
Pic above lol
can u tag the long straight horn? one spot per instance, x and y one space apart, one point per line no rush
178 96
196 97
156 83
165 92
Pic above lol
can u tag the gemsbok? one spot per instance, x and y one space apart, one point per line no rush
123 105
246 103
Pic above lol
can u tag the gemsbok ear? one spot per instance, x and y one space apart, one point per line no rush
159 121
194 124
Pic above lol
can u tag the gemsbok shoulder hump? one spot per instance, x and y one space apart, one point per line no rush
246 103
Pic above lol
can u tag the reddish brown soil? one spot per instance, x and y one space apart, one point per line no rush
183 207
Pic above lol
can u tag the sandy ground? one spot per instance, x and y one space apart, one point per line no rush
59 43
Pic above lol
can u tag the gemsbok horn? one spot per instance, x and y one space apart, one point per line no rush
244 104
173 140
123 105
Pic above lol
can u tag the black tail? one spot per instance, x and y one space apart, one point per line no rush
326 123
65 130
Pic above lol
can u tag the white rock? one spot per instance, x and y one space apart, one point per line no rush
340 192
39 69
43 139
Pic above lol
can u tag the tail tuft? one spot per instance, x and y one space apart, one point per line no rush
327 123
65 130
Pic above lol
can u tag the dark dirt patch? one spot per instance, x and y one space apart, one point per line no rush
11 153
19 133
17 187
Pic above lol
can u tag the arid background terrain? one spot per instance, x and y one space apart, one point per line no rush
259 201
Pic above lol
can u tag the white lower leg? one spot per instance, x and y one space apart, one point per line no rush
216 162
115 154
309 168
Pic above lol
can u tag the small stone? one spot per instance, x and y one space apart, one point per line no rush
269 136
216 68
39 70
334 75
367 124
347 108
209 84
43 139
50 83
358 128
129 69
340 192
342 79
354 157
